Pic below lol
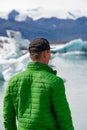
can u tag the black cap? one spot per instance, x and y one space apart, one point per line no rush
39 45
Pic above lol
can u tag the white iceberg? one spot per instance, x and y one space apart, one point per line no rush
16 38
13 54
18 65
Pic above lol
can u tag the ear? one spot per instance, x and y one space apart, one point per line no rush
44 54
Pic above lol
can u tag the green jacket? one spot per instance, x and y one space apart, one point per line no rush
37 98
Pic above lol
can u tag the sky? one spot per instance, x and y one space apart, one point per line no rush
7 5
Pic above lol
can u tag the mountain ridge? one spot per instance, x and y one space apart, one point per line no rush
53 28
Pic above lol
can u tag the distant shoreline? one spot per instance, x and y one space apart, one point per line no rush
58 43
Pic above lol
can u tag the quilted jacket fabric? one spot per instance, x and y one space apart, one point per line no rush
37 98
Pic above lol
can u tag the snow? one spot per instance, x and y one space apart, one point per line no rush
40 12
4 15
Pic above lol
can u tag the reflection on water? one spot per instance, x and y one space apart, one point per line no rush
73 68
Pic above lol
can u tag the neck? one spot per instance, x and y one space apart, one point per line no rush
41 61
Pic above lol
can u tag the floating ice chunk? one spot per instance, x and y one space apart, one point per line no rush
9 51
12 46
16 67
16 37
74 45
4 64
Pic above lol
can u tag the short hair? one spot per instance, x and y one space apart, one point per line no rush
35 55
39 45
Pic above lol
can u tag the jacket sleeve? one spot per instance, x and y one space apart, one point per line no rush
61 107
9 112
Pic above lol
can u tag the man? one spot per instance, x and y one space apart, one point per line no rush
37 96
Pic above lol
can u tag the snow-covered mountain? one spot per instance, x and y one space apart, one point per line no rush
56 26
40 12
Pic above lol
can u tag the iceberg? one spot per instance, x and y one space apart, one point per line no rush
12 46
14 55
16 38
72 46
10 51
17 66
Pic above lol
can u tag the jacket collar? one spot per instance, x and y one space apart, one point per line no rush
40 66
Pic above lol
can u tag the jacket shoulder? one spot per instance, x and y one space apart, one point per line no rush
54 79
17 77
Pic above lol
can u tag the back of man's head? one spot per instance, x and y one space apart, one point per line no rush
39 45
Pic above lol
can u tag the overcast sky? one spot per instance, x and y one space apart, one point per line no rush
6 5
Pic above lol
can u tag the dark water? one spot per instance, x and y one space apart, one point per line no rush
73 68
